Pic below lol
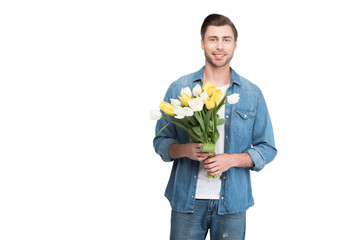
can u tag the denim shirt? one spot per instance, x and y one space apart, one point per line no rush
248 129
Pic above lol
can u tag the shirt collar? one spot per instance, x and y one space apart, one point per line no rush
235 78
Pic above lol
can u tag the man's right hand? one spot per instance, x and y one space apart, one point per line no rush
189 150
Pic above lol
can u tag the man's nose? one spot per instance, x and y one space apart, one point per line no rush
219 45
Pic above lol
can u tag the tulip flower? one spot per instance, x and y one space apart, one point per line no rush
155 114
197 90
186 90
203 96
184 99
210 91
209 103
175 102
179 112
233 98
196 104
188 111
167 108
206 86
217 95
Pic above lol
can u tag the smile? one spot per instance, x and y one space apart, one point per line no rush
219 55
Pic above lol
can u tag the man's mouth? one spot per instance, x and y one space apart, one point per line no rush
219 55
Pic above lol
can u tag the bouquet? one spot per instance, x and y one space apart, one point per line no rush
196 112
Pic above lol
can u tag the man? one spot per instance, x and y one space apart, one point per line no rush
246 143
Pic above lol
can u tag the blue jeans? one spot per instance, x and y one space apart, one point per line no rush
194 226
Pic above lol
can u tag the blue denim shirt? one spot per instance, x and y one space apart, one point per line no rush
247 129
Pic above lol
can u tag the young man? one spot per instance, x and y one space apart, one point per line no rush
246 143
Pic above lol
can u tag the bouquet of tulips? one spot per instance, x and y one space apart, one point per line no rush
196 112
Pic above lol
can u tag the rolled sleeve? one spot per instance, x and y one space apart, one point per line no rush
263 150
162 145
257 159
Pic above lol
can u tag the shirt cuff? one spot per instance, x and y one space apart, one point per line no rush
164 149
257 159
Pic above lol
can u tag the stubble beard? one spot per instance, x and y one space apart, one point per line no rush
213 64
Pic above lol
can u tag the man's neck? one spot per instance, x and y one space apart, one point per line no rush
218 76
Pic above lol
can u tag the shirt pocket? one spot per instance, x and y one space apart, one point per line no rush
243 122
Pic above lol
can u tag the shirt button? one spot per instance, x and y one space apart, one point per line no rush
227 116
245 115
226 136
194 176
222 198
192 196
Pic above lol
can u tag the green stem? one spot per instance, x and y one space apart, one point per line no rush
209 147
163 128
216 176
214 118
202 119
178 124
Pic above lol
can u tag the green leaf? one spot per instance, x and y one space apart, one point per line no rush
221 121
215 136
215 117
207 120
193 137
211 126
192 120
222 102
185 122
208 147
198 131
199 119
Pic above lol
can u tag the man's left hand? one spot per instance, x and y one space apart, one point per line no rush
218 164
223 161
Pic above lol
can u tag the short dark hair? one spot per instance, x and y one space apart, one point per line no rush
217 20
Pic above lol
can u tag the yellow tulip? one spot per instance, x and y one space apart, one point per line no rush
167 108
210 91
206 86
209 103
184 99
217 95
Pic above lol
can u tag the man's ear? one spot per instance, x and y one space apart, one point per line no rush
235 45
202 44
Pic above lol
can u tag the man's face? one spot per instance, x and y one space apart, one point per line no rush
219 45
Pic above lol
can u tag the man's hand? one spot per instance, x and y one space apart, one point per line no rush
189 150
218 164
222 162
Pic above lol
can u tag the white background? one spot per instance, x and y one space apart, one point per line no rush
78 79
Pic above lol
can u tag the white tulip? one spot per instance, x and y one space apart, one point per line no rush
233 98
196 104
179 116
179 112
203 96
188 111
186 90
175 102
197 90
155 114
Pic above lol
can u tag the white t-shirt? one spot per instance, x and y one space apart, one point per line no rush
209 188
